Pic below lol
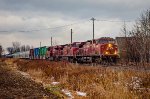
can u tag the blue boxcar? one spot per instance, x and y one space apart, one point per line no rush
36 53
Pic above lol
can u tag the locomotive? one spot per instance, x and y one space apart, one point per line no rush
98 50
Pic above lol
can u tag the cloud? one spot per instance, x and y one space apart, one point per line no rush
78 8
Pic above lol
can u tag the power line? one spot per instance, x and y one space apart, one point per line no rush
33 30
50 28
114 20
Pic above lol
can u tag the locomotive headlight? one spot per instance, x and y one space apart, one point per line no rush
115 52
109 45
106 52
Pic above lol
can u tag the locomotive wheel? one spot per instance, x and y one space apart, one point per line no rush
93 59
74 60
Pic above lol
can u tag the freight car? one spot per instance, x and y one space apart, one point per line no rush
38 53
99 50
24 55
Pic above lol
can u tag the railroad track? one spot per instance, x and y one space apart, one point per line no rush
109 65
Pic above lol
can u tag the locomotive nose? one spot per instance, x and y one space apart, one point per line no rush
110 49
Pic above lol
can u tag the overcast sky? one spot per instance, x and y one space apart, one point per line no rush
18 19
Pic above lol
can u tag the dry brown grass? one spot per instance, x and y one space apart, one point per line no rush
97 82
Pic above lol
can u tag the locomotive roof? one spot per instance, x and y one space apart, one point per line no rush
105 38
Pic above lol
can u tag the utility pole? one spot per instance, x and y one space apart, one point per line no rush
71 36
93 19
51 41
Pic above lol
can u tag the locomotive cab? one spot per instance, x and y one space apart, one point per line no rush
107 49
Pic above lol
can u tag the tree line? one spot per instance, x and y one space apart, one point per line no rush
17 47
1 51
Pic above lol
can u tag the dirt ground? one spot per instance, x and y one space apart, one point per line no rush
13 85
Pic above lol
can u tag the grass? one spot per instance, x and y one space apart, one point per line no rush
97 82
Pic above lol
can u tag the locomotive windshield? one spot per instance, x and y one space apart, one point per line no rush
105 40
76 44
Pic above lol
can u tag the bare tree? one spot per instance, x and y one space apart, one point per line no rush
1 51
23 48
16 46
10 50
27 48
138 40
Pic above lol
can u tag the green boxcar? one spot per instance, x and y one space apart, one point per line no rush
43 51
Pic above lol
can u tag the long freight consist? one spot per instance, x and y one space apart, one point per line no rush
98 50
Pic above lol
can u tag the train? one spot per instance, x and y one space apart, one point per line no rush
99 50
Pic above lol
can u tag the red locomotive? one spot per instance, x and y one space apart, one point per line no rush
99 50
